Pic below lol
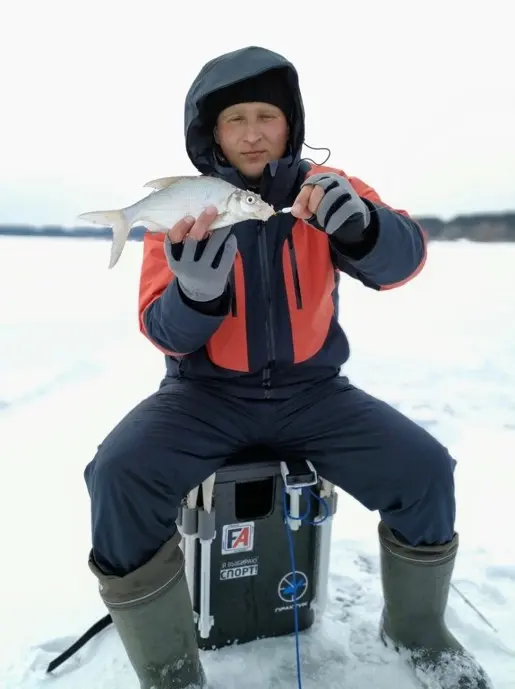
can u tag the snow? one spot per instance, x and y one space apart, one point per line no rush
72 362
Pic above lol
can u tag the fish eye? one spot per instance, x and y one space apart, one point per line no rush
250 199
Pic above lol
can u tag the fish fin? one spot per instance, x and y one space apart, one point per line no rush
219 221
164 182
117 220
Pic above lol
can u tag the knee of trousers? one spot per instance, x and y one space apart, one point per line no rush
434 468
114 469
428 495
103 465
123 476
132 512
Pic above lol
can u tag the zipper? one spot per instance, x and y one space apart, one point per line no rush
295 271
267 296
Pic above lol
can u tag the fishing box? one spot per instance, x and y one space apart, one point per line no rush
237 547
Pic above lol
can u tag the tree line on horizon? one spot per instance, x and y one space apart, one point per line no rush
482 227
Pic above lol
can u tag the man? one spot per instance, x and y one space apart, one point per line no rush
247 318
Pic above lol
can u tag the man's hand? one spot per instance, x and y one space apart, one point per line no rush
201 259
194 229
307 202
333 201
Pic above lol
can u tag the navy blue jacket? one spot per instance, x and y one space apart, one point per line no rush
275 329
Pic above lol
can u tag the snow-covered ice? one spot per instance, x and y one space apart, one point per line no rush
72 362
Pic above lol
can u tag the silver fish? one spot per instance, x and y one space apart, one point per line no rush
175 197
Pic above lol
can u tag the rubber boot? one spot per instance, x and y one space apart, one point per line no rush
152 612
416 582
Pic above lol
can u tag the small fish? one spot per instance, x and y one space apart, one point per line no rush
175 197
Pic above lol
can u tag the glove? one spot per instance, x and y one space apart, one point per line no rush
341 213
200 276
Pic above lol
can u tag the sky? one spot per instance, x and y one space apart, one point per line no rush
415 98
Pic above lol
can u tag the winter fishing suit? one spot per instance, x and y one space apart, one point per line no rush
259 363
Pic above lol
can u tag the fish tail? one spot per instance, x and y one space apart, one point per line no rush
118 221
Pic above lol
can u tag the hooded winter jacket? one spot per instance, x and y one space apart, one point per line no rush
276 328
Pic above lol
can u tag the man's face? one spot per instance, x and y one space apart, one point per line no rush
250 135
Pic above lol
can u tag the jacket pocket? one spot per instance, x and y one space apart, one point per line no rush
234 296
228 346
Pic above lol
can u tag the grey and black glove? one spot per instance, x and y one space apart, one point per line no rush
202 267
342 214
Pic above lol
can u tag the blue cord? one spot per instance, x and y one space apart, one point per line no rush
316 522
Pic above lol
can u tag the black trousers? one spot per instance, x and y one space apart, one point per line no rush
177 437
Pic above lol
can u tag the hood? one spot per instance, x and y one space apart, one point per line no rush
225 70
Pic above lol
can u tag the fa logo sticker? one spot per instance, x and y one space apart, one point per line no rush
237 538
